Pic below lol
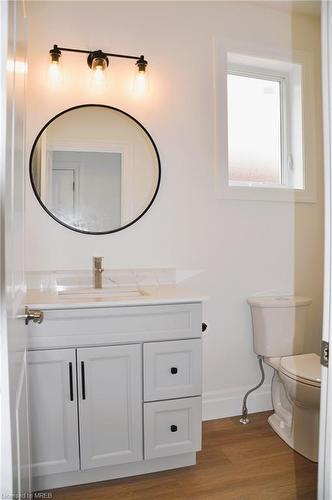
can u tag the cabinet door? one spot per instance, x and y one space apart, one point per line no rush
53 411
110 405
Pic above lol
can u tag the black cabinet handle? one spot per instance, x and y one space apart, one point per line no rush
174 370
83 379
71 390
204 327
174 428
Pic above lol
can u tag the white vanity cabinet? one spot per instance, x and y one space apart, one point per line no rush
114 392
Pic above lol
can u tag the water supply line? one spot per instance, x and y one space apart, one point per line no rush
244 419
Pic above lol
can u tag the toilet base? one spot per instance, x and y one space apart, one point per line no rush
296 425
286 434
282 429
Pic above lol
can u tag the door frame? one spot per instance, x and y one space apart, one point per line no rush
325 433
15 451
100 146
6 448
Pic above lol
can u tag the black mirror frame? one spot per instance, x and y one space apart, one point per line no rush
63 223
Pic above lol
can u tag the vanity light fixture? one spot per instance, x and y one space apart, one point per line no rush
98 61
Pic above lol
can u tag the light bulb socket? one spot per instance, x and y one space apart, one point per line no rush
55 54
141 63
98 56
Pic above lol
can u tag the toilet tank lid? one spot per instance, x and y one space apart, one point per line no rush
279 301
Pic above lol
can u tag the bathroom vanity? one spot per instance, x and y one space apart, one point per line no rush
115 385
115 372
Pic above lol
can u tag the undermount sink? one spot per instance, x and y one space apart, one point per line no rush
102 292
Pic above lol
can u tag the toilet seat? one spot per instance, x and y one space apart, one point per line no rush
303 368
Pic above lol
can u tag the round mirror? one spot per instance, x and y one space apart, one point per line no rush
95 169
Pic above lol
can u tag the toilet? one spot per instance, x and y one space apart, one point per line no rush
278 332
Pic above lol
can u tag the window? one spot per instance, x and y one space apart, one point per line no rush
265 130
255 136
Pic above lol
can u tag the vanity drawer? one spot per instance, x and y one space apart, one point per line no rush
172 369
172 427
116 325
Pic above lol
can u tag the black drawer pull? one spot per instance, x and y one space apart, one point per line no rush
204 327
174 370
174 428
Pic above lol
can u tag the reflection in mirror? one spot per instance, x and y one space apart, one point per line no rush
95 169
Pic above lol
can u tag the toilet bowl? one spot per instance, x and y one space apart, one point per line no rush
278 334
296 398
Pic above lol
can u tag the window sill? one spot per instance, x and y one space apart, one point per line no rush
278 194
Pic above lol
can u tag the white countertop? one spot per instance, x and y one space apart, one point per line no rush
153 295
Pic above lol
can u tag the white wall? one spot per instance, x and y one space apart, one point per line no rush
238 248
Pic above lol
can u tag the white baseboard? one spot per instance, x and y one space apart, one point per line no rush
228 402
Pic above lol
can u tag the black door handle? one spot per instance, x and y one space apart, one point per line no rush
83 379
71 390
174 428
204 327
174 370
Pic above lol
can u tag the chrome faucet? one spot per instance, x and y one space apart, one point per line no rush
97 272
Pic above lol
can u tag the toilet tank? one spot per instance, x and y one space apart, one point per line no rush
279 324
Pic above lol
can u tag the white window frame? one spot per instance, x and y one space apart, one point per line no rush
280 64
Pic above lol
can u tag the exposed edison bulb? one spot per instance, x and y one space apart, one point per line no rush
55 73
99 71
55 70
98 76
141 82
98 63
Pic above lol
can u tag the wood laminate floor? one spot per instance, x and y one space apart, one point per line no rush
238 462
